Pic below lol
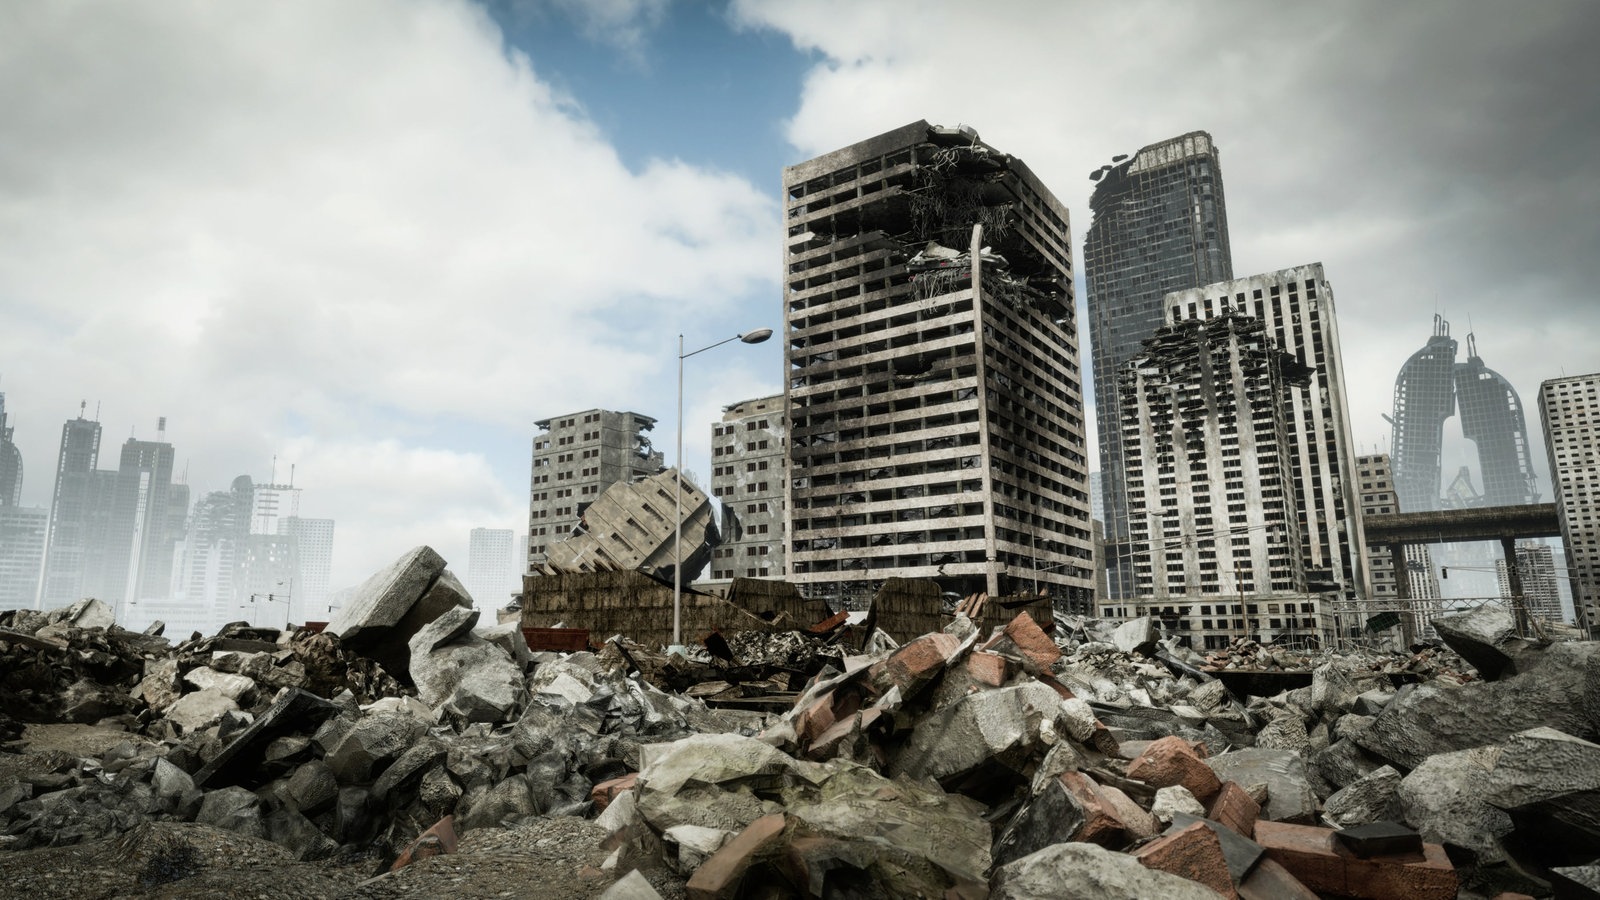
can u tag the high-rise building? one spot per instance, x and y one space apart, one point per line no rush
216 550
140 545
577 457
313 548
1160 225
22 539
1380 497
934 409
1570 410
1536 570
79 506
10 460
747 476
494 566
1311 476
1430 388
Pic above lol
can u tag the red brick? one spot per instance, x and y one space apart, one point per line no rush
1194 853
1235 809
916 664
606 791
826 746
1101 824
719 876
1270 881
439 839
1140 824
1032 641
1172 760
987 668
1314 857
831 622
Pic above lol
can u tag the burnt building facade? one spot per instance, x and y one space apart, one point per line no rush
747 478
575 458
934 407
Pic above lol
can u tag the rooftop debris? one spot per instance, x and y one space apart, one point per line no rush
998 760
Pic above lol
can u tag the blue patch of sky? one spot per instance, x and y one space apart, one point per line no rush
696 89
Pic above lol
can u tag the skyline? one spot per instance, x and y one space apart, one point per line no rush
324 234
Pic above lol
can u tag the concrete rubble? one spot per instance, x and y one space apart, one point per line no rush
1104 759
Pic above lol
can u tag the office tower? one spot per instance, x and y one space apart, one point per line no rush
313 548
1379 496
1296 307
1536 568
934 411
1570 410
494 566
1430 388
215 550
747 475
139 547
10 460
574 461
78 507
1160 225
1210 485
22 539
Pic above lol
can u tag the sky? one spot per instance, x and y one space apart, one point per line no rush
376 241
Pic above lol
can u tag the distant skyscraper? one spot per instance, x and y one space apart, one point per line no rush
574 461
216 549
1536 568
934 408
747 476
75 542
313 544
22 538
1429 389
1160 225
1570 411
10 461
494 566
139 544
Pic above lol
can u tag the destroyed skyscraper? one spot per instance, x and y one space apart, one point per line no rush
1429 389
10 460
1570 411
1232 492
747 450
574 461
934 403
1160 225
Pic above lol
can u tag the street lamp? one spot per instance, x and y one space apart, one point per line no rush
749 337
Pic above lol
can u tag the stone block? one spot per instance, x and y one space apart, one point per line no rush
1172 761
719 877
382 600
1373 798
1193 852
1235 808
1074 871
987 669
1483 637
1289 794
1136 636
1315 858
1032 642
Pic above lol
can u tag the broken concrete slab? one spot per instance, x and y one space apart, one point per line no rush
1374 797
294 710
1444 800
1088 872
982 739
200 709
1289 794
380 602
1485 637
371 744
1137 636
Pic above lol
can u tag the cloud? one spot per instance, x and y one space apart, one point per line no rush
622 24
1432 155
347 231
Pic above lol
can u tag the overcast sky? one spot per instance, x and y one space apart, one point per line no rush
377 240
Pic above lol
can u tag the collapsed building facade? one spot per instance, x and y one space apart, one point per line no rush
1307 473
1160 225
634 525
934 402
577 457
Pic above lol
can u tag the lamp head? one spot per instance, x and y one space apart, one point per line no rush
757 336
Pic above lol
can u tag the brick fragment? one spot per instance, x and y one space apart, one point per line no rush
827 744
1271 881
915 665
1172 760
1139 823
1234 808
987 668
1315 857
1101 824
719 876
439 839
831 622
1193 852
606 791
1032 642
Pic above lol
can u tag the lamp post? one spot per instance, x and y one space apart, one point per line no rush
749 337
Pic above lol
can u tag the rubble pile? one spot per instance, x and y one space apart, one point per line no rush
1103 760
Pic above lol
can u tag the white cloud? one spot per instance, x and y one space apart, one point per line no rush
1432 155
623 24
350 231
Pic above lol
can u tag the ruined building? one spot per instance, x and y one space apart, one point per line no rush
632 526
747 450
1428 391
1160 225
1379 497
10 460
1211 492
1324 536
1536 569
22 529
577 457
1570 411
934 402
